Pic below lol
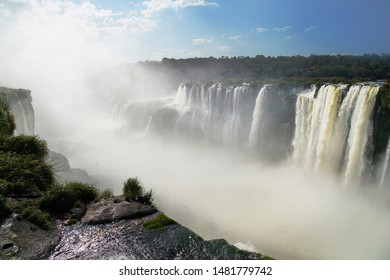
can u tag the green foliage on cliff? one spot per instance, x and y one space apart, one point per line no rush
61 198
7 121
133 190
25 145
36 217
23 171
24 174
159 222
4 211
382 119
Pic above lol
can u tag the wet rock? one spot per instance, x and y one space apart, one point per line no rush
128 239
22 240
109 210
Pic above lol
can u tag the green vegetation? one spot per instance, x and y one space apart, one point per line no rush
71 222
7 121
133 190
60 199
24 145
382 119
296 69
159 222
4 211
25 174
107 193
36 217
21 175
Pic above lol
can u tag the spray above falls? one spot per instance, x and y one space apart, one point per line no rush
328 129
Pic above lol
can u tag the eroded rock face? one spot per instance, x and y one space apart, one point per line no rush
109 210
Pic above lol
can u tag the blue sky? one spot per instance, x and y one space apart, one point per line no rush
152 29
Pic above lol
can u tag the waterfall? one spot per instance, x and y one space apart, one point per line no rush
215 112
360 135
304 108
385 166
315 121
20 104
330 129
258 116
333 132
181 96
339 142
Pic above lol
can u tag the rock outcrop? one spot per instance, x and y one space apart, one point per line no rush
64 172
111 229
109 210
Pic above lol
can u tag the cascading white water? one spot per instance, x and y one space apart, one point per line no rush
385 166
218 113
303 116
333 127
333 133
181 96
359 136
322 124
339 140
258 115
26 117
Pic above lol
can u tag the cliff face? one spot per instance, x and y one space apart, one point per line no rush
19 101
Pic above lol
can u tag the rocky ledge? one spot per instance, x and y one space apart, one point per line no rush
111 229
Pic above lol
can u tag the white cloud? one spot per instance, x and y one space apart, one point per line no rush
309 28
288 37
223 48
281 29
235 38
261 29
4 12
98 20
198 41
158 5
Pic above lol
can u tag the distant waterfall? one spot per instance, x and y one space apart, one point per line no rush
20 103
334 132
258 118
303 117
385 167
216 112
328 129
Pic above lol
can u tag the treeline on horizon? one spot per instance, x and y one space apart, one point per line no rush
289 69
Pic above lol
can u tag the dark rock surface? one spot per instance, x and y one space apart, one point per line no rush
127 239
109 210
22 240
111 229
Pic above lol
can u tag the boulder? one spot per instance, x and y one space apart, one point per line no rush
109 210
